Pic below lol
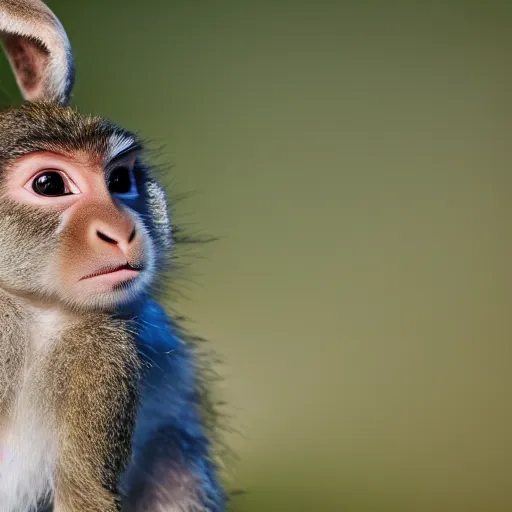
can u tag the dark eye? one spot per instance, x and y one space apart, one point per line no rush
120 181
50 183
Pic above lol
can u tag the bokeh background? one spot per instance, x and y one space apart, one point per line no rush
353 158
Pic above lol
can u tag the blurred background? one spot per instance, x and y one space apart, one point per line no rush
353 158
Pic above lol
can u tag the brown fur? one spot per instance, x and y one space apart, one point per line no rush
12 349
51 127
93 393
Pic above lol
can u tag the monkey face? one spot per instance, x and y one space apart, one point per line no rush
72 228
79 224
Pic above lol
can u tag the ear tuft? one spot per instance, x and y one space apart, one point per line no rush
38 50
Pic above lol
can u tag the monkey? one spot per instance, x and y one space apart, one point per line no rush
99 391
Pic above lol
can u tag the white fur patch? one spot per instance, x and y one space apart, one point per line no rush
160 214
28 441
117 144
29 449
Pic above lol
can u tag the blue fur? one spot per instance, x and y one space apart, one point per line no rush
168 421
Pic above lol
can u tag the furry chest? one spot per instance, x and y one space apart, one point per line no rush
27 449
27 459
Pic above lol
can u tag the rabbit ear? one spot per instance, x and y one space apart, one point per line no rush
38 50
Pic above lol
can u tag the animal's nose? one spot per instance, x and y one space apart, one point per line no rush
120 234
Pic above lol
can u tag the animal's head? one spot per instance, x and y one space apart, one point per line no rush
82 221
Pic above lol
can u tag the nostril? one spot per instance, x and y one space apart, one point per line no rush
106 238
132 236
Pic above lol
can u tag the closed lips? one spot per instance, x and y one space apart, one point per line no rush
112 269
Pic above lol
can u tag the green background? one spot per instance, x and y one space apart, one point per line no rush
353 158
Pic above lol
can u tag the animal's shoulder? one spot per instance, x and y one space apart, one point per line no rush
169 376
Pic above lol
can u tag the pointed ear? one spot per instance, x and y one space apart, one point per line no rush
38 50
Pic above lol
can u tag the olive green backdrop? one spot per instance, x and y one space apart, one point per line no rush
354 159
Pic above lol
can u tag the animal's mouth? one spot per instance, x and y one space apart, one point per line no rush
127 268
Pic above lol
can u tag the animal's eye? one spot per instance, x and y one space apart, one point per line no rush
120 181
50 183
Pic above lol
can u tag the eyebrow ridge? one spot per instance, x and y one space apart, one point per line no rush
136 146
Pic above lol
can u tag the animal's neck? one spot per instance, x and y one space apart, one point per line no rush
36 320
30 325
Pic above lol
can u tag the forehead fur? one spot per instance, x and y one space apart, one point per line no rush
51 127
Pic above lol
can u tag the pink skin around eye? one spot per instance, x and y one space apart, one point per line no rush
77 176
